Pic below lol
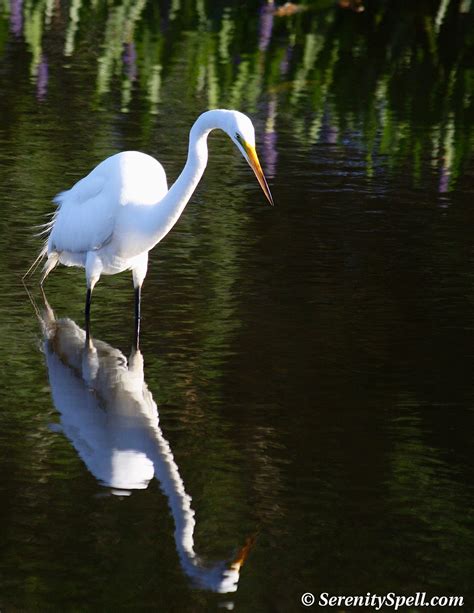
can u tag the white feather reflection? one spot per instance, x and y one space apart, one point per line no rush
110 417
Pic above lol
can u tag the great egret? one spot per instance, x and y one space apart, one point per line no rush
109 220
109 415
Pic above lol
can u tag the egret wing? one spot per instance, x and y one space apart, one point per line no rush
86 216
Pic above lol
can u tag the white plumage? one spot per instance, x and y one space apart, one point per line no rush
109 220
88 212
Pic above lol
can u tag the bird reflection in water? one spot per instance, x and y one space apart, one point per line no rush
110 417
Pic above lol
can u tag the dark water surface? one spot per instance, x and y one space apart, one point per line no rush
312 365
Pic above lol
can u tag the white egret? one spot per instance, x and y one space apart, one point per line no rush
109 220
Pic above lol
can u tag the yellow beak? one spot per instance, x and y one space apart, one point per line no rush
254 163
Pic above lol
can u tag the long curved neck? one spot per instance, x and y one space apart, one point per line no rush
167 211
183 188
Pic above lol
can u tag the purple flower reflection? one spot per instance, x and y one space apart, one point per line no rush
444 180
270 153
332 135
16 17
130 60
285 63
42 78
266 26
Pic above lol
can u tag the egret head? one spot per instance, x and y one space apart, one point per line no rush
241 131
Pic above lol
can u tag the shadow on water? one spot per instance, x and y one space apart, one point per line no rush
110 417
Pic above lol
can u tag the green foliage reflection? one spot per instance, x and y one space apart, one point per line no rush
394 76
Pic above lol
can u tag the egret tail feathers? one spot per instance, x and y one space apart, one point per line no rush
44 229
36 263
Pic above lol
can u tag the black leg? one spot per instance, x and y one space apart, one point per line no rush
138 297
88 311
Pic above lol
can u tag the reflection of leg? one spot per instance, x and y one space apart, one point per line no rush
49 313
139 274
138 299
93 272
88 311
43 294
